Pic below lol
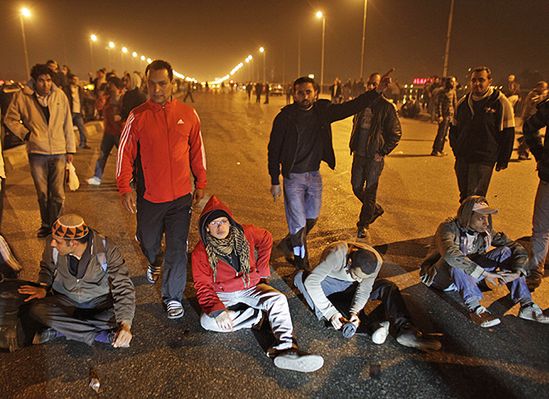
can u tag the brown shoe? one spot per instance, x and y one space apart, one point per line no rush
483 317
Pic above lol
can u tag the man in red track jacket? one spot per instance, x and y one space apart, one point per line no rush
229 264
160 147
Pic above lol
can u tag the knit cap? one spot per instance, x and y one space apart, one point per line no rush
70 227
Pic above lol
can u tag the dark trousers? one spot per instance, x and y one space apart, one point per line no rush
107 143
2 191
472 178
78 121
365 174
189 94
48 174
77 321
172 220
442 132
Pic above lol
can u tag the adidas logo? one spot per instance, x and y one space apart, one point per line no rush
180 122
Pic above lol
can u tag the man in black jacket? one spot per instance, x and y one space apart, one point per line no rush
75 94
376 132
540 222
301 138
482 135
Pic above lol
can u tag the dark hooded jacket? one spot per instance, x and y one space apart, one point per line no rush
450 239
533 138
227 279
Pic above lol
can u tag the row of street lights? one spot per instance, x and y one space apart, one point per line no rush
25 13
247 60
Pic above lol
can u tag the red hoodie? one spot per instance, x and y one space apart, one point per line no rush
169 142
227 279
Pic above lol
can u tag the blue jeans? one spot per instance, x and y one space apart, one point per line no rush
455 279
107 143
78 121
302 200
48 174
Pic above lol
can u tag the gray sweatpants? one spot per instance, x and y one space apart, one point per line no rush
76 321
260 298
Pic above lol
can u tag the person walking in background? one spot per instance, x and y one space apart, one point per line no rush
445 106
75 94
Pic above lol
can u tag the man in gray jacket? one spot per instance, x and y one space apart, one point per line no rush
460 260
348 266
85 292
40 115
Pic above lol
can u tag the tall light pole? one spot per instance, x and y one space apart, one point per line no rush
320 15
299 54
25 13
124 51
93 39
262 50
363 39
134 56
448 35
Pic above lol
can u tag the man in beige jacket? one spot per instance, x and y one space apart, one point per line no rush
40 115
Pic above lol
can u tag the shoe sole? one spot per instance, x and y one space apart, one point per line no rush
380 335
425 346
303 364
491 323
177 316
544 321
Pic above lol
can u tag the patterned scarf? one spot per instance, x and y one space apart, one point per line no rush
235 242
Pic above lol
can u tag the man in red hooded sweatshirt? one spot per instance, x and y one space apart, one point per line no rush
229 265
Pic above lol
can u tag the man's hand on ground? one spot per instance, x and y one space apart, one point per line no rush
128 201
123 336
225 320
276 192
197 196
32 291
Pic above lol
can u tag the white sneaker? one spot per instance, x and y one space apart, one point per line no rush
380 335
292 360
94 181
534 313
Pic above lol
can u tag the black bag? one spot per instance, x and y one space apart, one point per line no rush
12 336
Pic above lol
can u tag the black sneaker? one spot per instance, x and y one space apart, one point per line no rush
45 336
363 233
43 231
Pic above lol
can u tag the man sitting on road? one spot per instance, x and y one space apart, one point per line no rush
229 265
344 265
460 260
85 291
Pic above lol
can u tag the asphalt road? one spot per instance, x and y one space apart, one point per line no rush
177 359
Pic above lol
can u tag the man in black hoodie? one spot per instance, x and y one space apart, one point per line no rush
482 134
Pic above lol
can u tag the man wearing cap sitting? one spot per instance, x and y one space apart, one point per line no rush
85 291
460 260
348 266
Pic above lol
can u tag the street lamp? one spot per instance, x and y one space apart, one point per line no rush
124 50
363 39
320 15
93 39
110 47
25 13
262 50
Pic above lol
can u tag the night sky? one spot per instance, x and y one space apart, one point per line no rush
206 39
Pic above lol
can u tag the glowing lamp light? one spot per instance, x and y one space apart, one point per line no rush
134 54
319 14
261 50
93 37
149 60
112 45
142 58
125 50
25 12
